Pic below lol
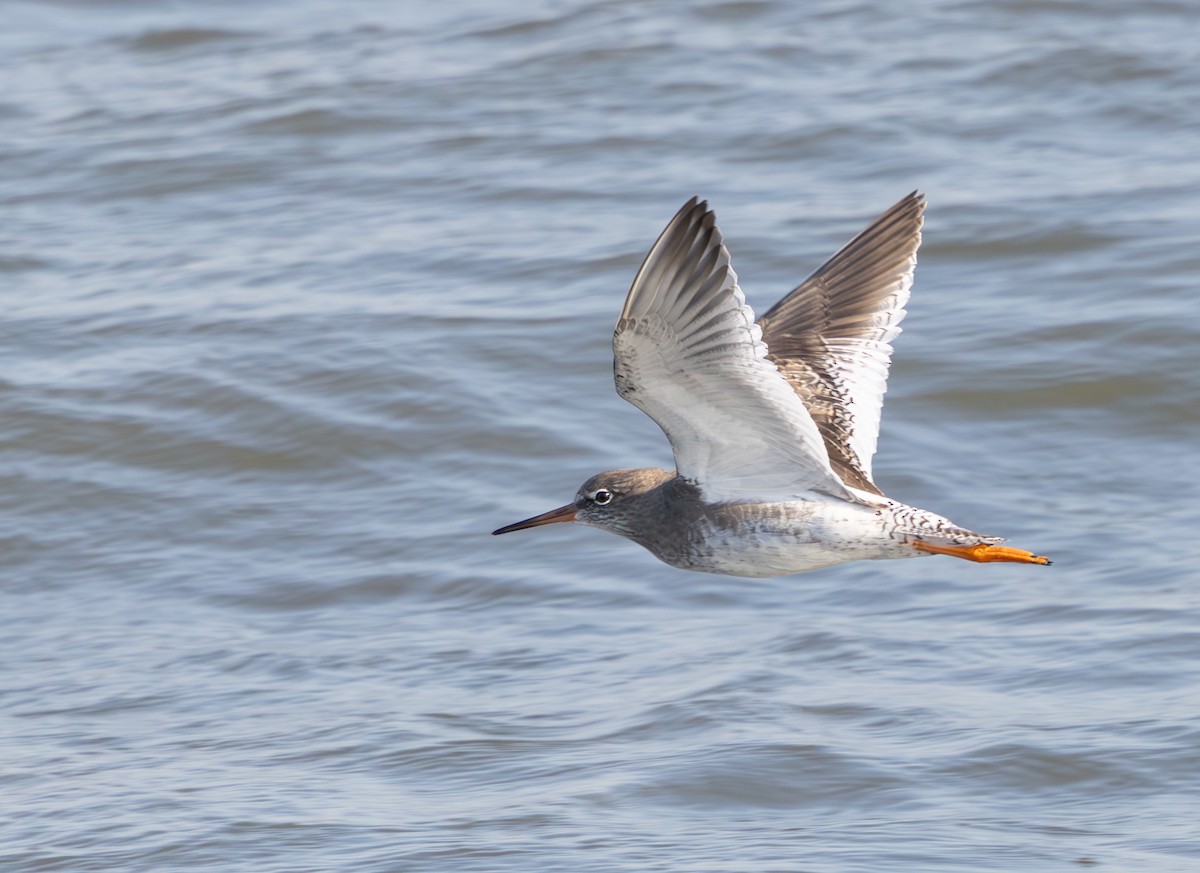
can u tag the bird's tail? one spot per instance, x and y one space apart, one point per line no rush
931 533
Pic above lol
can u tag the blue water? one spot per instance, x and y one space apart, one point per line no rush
302 300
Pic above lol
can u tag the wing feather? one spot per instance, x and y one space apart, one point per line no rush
688 353
831 336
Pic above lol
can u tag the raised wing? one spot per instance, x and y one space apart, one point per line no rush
831 337
688 353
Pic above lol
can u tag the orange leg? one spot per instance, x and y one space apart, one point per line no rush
982 553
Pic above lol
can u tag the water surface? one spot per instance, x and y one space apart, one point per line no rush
302 300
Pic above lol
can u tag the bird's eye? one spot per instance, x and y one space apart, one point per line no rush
602 497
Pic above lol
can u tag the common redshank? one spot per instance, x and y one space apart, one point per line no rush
773 423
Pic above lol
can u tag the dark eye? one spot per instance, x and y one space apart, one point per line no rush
602 497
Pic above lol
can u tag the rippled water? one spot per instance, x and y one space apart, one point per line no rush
301 300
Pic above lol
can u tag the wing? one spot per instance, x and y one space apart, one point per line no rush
831 337
688 353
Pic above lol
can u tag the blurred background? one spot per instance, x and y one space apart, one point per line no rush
302 299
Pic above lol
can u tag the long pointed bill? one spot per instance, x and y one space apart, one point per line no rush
554 516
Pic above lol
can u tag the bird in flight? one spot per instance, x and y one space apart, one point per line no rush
773 423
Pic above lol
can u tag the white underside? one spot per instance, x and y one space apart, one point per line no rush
779 539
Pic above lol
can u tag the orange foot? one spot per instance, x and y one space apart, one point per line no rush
982 553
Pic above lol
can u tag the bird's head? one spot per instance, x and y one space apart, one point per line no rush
609 501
